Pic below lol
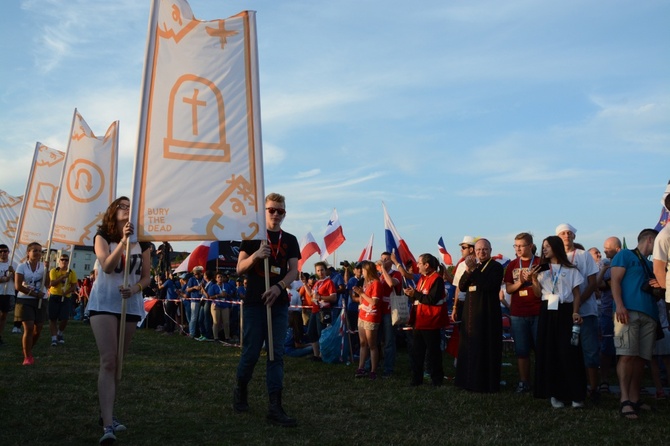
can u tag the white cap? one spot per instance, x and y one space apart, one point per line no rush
565 227
468 240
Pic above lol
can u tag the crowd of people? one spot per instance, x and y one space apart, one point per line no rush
580 315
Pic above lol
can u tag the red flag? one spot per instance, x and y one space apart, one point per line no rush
308 246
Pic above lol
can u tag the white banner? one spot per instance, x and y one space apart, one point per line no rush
41 195
199 166
89 183
10 209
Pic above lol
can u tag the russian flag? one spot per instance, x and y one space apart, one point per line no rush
367 251
334 236
446 257
308 247
395 243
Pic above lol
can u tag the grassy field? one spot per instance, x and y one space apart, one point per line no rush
176 391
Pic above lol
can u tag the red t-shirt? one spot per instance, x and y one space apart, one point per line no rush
323 287
524 301
375 290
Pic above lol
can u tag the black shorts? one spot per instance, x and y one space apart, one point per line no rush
129 317
5 301
59 308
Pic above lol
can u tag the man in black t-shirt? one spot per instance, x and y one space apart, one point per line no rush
282 252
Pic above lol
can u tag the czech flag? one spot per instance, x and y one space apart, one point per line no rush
446 257
663 219
395 243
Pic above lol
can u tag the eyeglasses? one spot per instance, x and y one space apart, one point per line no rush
519 246
276 211
4 251
123 207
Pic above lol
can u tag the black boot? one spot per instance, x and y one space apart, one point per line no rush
276 414
240 403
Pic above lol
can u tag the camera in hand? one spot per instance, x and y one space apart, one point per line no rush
344 263
657 292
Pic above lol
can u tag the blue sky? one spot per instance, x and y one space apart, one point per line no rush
484 118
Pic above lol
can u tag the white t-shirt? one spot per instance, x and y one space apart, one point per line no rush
662 253
586 266
567 280
32 279
7 288
460 269
294 295
105 295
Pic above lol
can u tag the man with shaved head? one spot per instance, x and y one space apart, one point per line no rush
611 247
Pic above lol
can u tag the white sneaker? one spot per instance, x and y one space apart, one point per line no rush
556 404
16 330
577 404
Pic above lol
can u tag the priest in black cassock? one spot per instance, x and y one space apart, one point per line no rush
480 346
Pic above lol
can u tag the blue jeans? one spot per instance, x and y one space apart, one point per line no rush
195 317
588 337
206 321
387 332
524 333
255 332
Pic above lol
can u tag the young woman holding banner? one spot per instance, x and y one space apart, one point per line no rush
105 302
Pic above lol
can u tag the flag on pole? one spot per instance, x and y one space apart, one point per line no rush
10 208
665 211
334 236
395 243
199 165
308 247
89 182
367 251
44 180
446 257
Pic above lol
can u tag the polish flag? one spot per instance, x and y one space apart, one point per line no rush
395 243
334 236
367 251
446 257
308 247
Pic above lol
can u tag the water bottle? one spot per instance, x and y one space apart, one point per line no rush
574 340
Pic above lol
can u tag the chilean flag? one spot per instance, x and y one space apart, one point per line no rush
395 242
308 247
367 251
334 236
446 257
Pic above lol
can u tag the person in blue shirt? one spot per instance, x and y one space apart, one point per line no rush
171 303
194 293
636 316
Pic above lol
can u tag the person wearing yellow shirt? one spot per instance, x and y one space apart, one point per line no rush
63 285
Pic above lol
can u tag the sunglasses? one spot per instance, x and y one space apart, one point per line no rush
64 260
123 207
276 211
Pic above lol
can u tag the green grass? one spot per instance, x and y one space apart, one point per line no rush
176 391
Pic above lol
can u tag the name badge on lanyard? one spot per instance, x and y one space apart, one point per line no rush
275 270
472 288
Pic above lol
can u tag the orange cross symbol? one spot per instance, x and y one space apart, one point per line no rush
221 32
194 108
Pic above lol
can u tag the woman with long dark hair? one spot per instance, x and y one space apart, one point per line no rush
107 295
559 365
